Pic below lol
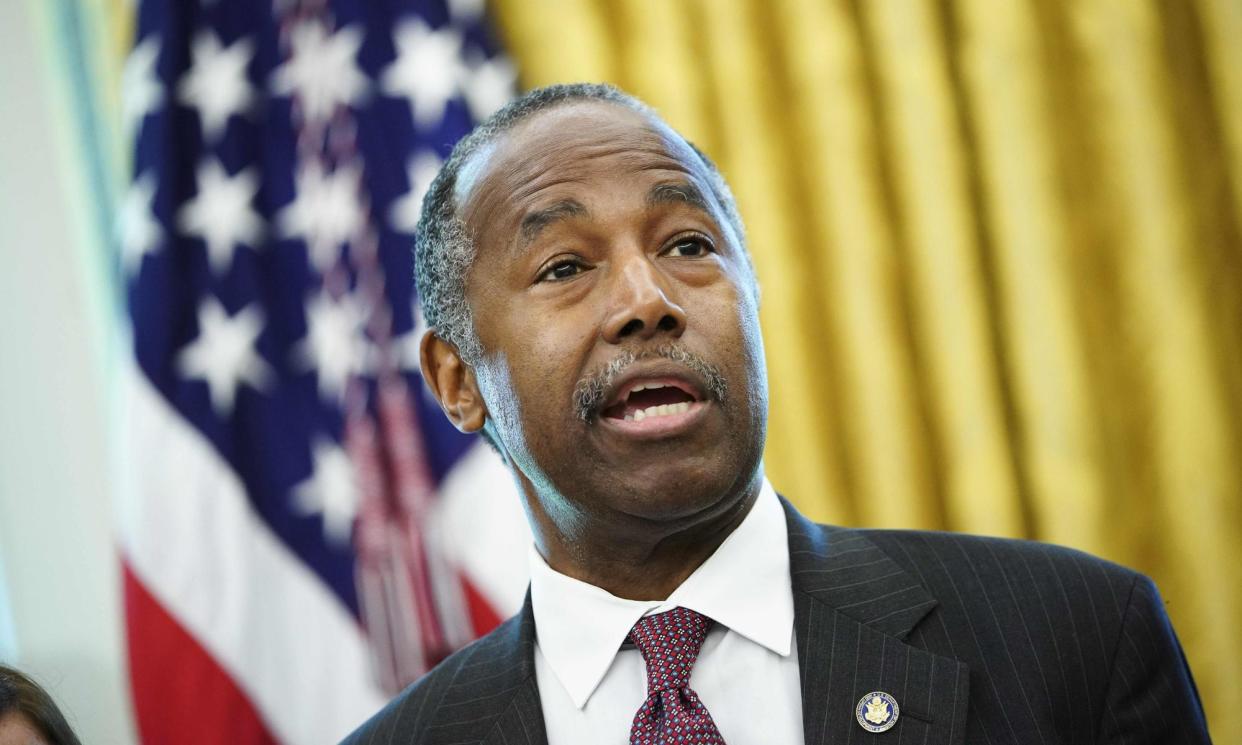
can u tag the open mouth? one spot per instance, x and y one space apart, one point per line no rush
646 399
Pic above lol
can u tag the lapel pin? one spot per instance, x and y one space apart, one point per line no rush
877 711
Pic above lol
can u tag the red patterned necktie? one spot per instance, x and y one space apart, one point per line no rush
672 713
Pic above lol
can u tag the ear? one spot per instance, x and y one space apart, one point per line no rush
452 382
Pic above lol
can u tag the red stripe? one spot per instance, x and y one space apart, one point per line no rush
483 617
181 696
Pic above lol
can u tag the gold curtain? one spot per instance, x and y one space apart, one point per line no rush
999 246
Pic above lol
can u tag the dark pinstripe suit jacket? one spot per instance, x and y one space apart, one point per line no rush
980 640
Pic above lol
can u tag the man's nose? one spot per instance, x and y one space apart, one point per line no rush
642 307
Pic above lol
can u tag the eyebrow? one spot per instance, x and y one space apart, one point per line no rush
535 222
677 193
660 194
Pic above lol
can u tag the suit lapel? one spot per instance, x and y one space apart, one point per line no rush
853 609
517 716
521 722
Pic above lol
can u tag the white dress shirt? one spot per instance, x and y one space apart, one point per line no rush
746 673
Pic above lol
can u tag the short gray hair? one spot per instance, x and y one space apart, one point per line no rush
445 249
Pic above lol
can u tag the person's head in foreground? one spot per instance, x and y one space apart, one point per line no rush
593 312
28 716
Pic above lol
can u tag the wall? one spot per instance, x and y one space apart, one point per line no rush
56 550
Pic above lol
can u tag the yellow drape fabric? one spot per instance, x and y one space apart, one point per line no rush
999 246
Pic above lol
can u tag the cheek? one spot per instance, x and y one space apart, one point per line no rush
742 305
758 370
539 354
752 332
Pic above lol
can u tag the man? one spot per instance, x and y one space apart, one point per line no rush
594 314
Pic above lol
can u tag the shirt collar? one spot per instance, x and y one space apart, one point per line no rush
744 586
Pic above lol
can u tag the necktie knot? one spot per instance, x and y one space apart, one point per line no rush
672 714
670 643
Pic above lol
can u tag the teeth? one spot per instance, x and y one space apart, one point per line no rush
646 387
662 410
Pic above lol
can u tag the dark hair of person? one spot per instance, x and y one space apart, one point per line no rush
21 695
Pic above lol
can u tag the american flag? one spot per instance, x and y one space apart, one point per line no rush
296 528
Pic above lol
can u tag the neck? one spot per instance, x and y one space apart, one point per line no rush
634 557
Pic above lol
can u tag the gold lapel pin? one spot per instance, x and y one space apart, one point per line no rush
877 712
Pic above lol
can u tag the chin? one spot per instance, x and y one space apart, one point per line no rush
685 491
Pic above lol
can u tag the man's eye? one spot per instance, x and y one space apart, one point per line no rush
563 269
687 247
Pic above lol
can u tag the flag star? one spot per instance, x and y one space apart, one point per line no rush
223 354
421 169
216 83
141 90
335 346
138 229
427 69
466 11
325 212
330 491
487 85
322 70
221 213
408 346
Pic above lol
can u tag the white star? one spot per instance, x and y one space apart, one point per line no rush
322 70
408 345
335 346
427 70
223 354
138 229
325 211
216 84
420 170
141 90
221 213
487 85
331 491
466 11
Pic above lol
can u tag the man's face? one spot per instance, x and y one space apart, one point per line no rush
623 366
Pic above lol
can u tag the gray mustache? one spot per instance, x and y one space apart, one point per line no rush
590 391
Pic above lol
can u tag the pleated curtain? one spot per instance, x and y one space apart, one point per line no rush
1000 258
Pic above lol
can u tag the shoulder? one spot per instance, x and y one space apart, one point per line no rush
1040 590
1011 579
463 676
1073 626
933 554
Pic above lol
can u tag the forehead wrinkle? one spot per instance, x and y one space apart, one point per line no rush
537 162
532 152
560 164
